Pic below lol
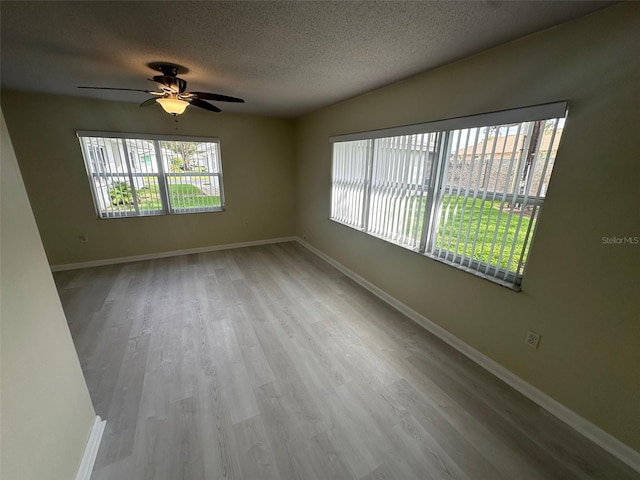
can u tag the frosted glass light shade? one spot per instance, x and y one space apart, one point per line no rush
173 105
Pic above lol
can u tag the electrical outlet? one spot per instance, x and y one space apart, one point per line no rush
532 339
83 237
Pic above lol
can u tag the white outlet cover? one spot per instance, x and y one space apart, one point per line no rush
532 339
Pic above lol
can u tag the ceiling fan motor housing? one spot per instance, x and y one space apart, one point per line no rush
174 83
168 70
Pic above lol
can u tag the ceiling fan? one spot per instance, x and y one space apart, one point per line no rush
172 95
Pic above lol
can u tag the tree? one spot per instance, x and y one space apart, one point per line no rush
184 152
530 154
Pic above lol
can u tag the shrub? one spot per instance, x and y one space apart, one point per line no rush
120 194
177 165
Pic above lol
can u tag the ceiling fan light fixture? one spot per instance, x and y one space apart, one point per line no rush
173 106
172 95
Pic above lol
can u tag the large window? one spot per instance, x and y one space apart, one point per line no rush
465 191
134 175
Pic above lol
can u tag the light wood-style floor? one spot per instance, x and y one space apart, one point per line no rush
267 363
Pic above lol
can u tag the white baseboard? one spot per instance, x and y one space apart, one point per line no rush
173 253
609 443
91 450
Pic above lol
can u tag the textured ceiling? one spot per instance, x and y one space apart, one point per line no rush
284 58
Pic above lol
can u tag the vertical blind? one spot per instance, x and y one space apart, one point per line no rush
469 196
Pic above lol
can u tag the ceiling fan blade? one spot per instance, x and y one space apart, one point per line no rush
147 103
218 97
202 104
113 88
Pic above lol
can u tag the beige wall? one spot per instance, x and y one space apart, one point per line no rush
46 410
582 296
257 161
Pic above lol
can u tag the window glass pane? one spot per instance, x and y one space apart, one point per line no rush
399 186
148 194
479 175
144 175
109 174
195 193
491 193
193 178
117 196
550 141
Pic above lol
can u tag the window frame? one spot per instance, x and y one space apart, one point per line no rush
435 186
162 176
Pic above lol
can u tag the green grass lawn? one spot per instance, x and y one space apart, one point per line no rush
185 195
485 215
181 196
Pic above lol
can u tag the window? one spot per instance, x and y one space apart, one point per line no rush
465 191
135 175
